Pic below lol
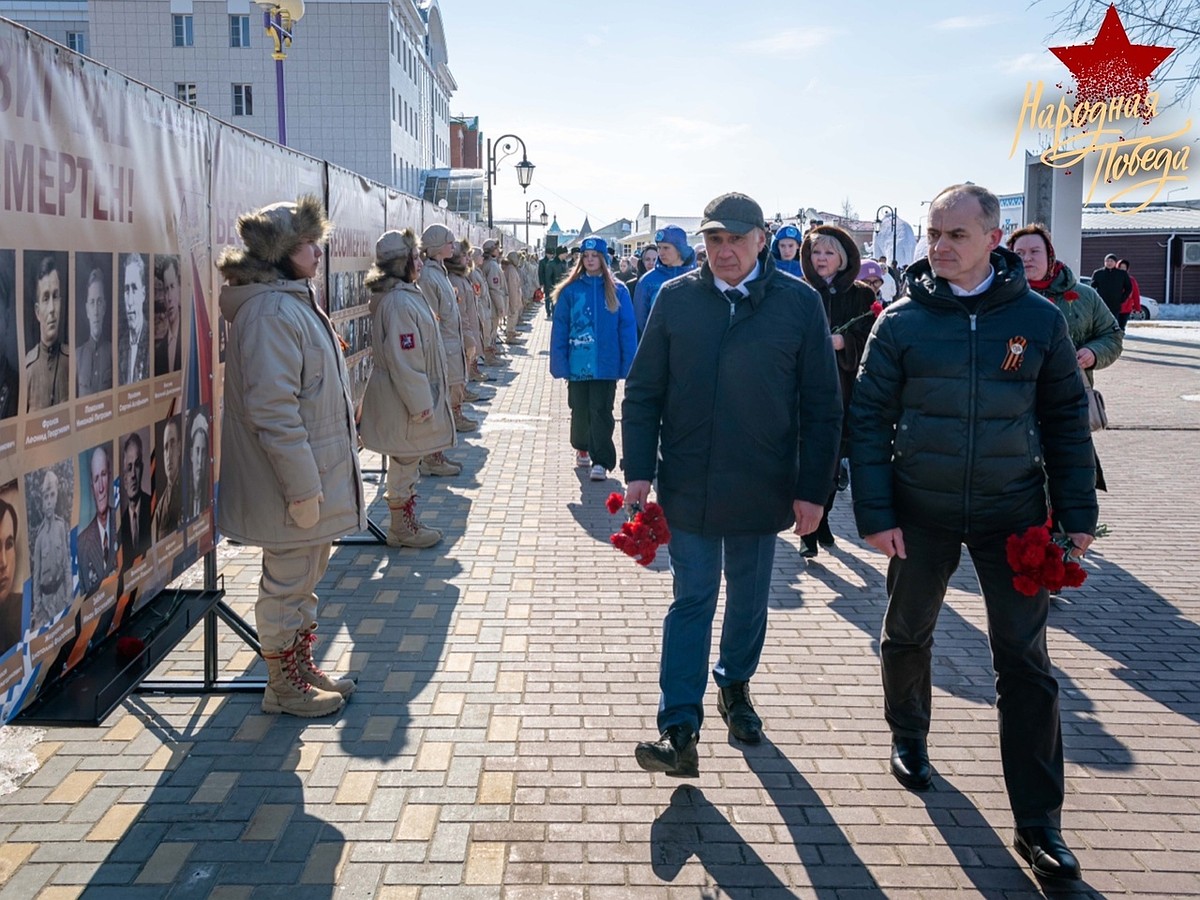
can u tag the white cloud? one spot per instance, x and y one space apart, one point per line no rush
1032 64
789 41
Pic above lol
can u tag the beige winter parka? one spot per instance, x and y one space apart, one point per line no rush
436 287
409 377
288 429
468 307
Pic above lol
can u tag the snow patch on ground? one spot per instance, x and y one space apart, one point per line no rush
16 755
1179 311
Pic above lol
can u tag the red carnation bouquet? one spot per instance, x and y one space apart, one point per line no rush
1042 560
644 532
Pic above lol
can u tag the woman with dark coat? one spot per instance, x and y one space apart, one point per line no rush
830 261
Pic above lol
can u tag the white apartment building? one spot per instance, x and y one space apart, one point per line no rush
65 21
367 82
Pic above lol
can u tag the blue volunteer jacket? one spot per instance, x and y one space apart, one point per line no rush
649 285
587 342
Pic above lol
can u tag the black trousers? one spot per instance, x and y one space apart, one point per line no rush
1026 692
592 422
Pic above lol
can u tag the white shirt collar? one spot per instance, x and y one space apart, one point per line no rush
978 289
724 286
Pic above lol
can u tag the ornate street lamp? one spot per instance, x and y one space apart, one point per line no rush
543 218
278 18
879 225
508 144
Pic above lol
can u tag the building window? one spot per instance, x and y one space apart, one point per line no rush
239 31
243 100
185 92
182 31
76 42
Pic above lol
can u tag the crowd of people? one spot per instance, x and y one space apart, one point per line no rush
764 373
954 394
443 312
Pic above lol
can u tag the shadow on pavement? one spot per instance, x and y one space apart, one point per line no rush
692 826
224 813
961 654
230 807
983 855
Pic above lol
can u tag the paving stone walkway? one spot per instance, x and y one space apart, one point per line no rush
506 675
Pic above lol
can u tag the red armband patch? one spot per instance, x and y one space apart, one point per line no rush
408 341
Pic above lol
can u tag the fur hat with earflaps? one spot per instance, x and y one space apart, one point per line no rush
271 235
393 251
460 262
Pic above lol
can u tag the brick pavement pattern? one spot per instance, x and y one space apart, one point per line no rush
507 674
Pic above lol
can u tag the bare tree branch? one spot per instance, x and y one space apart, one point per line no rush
1161 23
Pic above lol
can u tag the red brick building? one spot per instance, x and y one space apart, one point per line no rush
466 143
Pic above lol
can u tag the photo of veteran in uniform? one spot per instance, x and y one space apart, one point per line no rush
135 498
11 611
133 332
49 493
97 543
47 359
168 486
8 334
93 330
199 464
168 352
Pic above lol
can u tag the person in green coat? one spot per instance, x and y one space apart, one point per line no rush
1094 330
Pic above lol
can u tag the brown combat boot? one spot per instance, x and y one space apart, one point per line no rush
312 673
288 692
463 422
437 464
406 530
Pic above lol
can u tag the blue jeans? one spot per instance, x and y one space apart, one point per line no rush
696 564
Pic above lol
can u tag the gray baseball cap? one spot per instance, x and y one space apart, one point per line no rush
732 212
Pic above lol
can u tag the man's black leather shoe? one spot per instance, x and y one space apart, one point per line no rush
910 763
1044 849
673 754
733 703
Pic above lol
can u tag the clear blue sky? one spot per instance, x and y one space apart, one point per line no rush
797 104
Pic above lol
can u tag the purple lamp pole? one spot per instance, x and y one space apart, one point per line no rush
278 22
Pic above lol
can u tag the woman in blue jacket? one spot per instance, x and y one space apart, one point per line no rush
592 342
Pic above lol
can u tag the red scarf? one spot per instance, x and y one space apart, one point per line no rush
1043 283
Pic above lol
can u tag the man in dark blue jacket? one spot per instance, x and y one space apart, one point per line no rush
968 406
733 402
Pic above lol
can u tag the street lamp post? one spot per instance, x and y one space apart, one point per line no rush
543 218
508 144
278 18
879 225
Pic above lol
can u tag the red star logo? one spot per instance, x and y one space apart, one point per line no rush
1110 66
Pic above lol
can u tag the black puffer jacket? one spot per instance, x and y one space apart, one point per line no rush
945 435
744 400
